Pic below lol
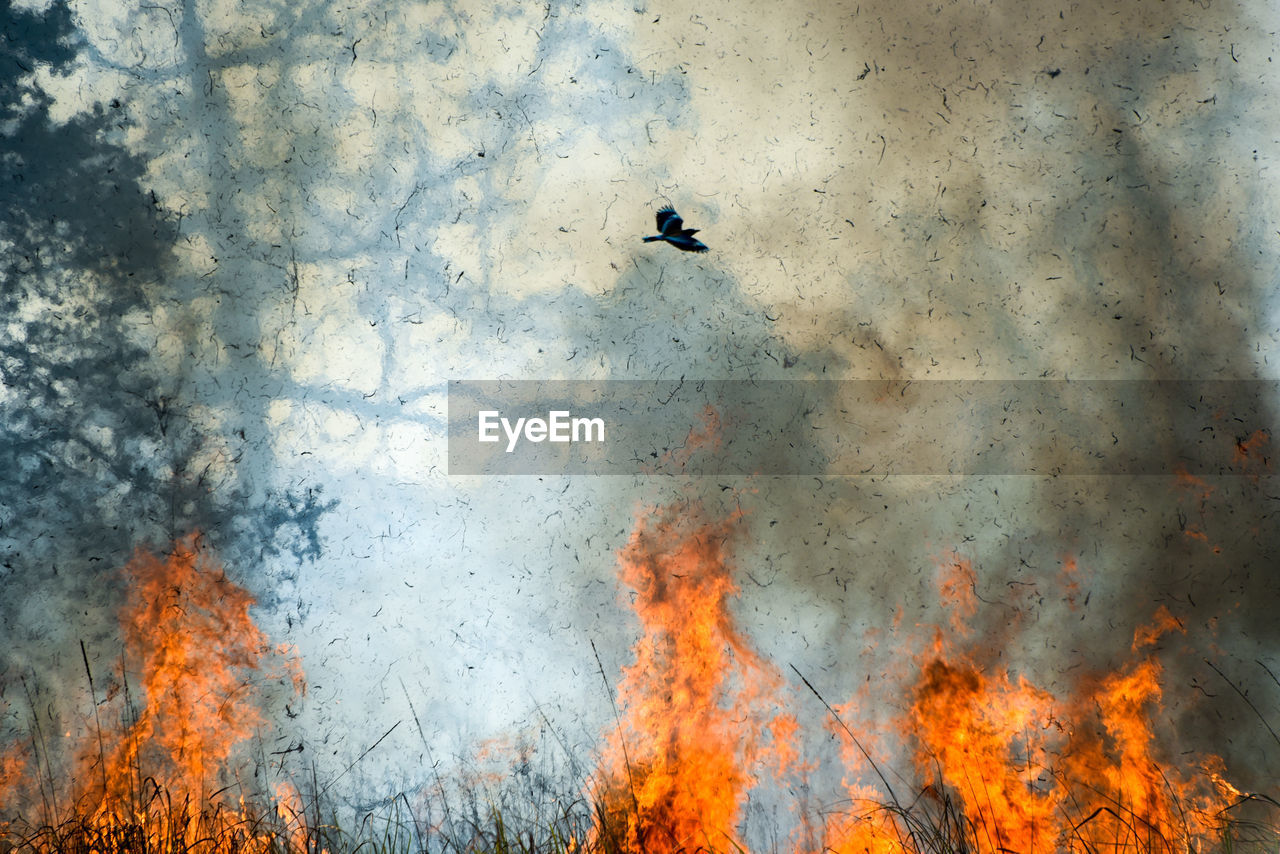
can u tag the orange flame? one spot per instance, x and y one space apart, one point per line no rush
167 776
686 753
1024 769
188 631
1004 761
13 769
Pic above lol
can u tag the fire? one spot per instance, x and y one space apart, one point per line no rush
187 630
1007 765
979 756
1000 760
698 722
13 769
166 770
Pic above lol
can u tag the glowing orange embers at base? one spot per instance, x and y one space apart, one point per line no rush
161 769
698 721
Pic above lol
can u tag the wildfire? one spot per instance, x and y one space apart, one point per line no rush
188 632
983 758
698 722
162 771
1002 761
1014 767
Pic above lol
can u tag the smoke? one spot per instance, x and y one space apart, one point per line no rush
247 244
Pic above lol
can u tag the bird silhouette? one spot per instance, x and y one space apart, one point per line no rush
674 232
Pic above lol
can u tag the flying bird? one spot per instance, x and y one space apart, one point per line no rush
674 232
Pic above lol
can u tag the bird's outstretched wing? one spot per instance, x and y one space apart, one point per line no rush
687 243
669 222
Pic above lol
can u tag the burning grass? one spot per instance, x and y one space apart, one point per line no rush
934 821
1029 769
1000 763
700 723
162 766
158 824
988 761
